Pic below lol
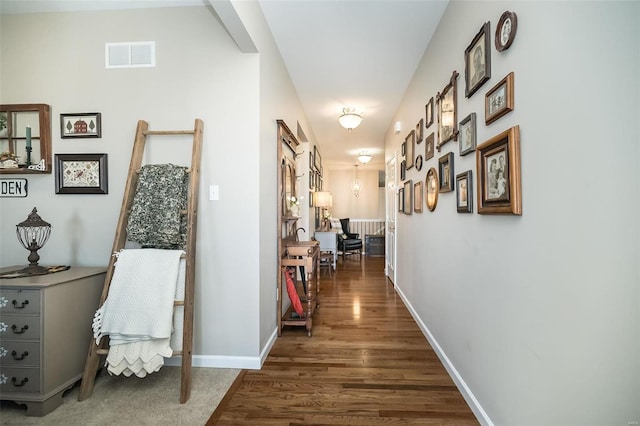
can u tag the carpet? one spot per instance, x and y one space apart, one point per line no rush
118 400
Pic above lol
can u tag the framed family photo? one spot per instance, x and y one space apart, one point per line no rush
498 169
448 112
477 61
499 100
464 201
445 164
467 140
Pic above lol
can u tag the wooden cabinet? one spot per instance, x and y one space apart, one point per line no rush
45 329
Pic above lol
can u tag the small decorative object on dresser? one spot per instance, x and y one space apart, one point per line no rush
45 324
33 234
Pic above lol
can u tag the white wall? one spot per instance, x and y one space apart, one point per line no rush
201 73
538 316
345 204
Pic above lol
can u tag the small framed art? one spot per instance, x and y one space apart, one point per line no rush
410 142
403 169
429 113
431 189
81 174
429 147
464 201
506 30
420 131
85 125
401 200
498 169
408 197
445 164
467 140
419 162
417 197
477 61
448 112
499 100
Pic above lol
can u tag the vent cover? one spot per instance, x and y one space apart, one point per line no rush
139 54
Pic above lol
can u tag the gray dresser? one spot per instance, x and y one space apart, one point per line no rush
45 330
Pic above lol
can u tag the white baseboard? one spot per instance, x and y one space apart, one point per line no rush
219 361
468 396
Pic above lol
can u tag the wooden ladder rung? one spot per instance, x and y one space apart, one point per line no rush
169 132
178 303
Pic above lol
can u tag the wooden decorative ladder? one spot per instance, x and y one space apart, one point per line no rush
120 239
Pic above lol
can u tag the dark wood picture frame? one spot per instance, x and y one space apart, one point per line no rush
410 140
447 101
419 161
498 169
506 31
417 197
408 197
401 200
317 159
428 109
431 189
420 131
468 132
81 174
464 193
429 147
500 99
403 169
445 172
84 125
477 61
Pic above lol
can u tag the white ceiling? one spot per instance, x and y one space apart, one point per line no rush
352 53
358 53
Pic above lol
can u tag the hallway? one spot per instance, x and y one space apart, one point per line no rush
366 363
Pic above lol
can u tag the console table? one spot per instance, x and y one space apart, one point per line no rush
45 330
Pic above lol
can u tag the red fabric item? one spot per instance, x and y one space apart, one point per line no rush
293 294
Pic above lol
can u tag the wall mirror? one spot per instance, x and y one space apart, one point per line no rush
289 180
25 138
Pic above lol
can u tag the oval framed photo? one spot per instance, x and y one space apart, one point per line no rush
506 30
432 188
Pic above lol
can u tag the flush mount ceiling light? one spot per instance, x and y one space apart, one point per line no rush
350 118
364 158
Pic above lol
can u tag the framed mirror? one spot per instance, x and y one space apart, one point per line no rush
25 139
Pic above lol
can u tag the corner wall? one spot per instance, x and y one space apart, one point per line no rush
539 315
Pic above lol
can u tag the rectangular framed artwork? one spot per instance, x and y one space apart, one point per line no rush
467 140
419 131
81 174
445 172
408 197
410 142
499 100
448 112
464 202
477 61
85 125
417 197
429 113
429 147
498 169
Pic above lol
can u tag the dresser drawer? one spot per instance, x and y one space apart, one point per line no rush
18 353
20 327
19 301
15 379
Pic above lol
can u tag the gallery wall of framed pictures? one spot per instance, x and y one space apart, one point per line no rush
497 159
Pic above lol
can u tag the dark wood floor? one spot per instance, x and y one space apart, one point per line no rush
367 363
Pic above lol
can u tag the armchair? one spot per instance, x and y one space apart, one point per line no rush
349 242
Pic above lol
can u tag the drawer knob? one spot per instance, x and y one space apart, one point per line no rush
22 382
24 328
15 356
22 305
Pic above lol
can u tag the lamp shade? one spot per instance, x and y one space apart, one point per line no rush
350 118
322 199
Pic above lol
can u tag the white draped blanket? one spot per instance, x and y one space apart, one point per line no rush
138 312
140 301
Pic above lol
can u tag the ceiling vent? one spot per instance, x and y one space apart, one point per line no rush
139 54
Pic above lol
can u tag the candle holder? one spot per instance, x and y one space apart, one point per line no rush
33 234
29 149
